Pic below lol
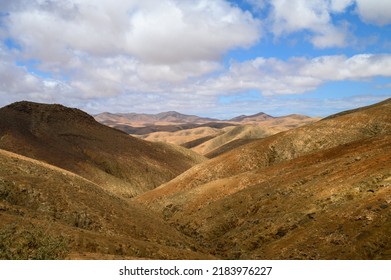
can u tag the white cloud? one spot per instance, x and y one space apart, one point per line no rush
103 82
17 83
330 36
375 11
166 31
189 30
358 67
315 16
273 76
107 48
295 15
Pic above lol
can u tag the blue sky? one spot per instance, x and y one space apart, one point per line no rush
211 58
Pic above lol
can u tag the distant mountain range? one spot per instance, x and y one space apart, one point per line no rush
169 117
206 136
179 118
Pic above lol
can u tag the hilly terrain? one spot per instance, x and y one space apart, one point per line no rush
73 140
321 191
269 188
183 136
229 134
95 224
209 137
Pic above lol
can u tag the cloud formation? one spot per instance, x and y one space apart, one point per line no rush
273 76
316 17
375 11
108 48
155 32
169 53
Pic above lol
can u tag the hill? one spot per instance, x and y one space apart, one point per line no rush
73 140
215 138
203 135
256 117
321 191
95 224
146 131
182 136
232 133
147 119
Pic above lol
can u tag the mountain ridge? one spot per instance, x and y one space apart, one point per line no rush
177 117
169 116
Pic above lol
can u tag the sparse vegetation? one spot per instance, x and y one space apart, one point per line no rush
31 243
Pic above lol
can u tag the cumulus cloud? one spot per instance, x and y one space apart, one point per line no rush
314 16
317 17
107 48
166 31
375 11
297 75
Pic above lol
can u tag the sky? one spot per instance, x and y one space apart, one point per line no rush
219 58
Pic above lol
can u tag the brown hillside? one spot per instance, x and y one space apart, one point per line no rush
73 140
182 136
196 142
202 135
228 147
91 220
334 204
327 133
229 134
322 191
213 139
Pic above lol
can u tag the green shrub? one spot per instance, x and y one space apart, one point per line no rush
31 243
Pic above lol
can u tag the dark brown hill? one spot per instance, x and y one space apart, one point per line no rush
73 140
321 191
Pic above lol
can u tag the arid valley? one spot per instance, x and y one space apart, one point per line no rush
175 186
